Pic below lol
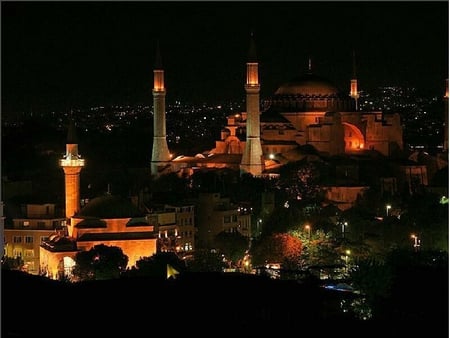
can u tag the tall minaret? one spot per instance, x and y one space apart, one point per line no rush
252 160
160 151
354 84
72 165
446 112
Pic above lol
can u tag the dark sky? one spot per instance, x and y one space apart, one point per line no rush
61 54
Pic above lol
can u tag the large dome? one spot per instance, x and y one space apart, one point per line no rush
308 85
109 206
309 93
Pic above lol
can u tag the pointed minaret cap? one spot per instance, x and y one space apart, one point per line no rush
71 133
158 60
252 50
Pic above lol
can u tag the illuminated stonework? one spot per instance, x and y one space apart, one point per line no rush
160 161
72 163
252 161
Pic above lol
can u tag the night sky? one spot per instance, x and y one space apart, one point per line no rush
64 54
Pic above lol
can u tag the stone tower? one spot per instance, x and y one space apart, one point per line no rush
354 84
160 151
72 163
252 160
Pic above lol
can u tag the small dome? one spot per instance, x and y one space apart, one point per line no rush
308 85
109 206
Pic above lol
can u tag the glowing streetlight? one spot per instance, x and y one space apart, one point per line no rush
388 206
259 226
308 229
343 224
416 245
347 255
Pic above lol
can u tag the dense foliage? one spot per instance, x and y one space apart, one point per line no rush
100 262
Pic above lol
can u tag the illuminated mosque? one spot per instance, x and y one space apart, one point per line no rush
308 110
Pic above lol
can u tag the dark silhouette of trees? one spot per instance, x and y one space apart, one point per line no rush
232 245
407 285
300 181
100 262
156 265
206 260
12 263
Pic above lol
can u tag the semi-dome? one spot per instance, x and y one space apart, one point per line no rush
308 85
109 206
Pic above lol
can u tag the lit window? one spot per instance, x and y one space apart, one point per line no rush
29 253
26 223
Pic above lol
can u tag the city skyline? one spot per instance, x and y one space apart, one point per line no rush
61 55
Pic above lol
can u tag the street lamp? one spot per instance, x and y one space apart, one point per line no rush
416 245
388 206
258 227
343 224
347 254
308 229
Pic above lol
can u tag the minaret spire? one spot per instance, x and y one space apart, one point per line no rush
354 83
309 65
252 160
160 151
72 163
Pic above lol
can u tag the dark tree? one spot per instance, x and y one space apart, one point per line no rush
156 265
100 262
300 181
206 261
12 263
232 245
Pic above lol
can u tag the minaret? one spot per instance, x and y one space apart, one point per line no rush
160 151
354 84
72 165
252 161
446 112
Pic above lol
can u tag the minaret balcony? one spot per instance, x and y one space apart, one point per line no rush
71 163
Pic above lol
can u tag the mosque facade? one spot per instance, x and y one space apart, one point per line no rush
308 110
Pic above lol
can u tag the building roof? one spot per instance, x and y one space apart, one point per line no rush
116 236
308 84
88 223
60 243
109 206
212 158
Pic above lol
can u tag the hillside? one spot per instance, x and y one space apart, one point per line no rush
197 304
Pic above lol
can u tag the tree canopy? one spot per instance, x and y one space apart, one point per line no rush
100 262
277 248
156 265
232 245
